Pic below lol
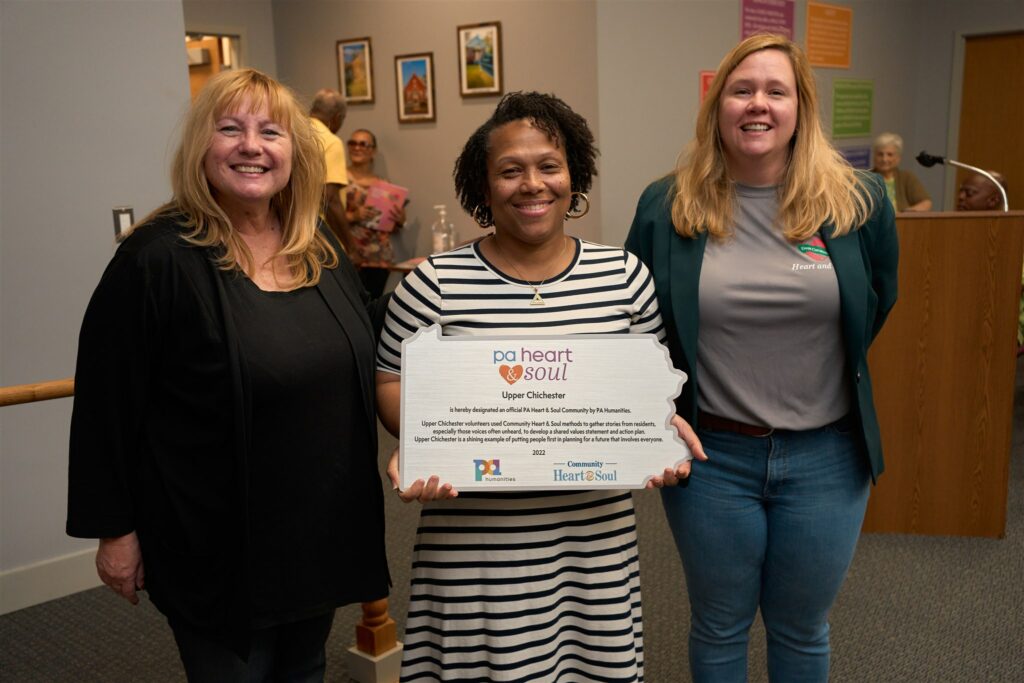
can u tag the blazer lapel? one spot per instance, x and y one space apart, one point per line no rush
349 312
685 256
853 286
343 302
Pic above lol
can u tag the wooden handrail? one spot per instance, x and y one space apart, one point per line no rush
40 391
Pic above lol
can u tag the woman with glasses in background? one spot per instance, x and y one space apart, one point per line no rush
371 247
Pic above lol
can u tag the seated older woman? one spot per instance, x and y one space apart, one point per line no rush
904 189
223 438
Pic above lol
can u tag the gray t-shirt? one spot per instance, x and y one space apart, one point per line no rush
770 347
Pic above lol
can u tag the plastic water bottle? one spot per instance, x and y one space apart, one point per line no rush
442 232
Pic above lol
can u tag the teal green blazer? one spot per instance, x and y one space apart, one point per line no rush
864 261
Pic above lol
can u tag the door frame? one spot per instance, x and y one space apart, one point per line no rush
220 30
955 96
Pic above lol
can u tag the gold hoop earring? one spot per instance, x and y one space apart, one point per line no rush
574 206
482 216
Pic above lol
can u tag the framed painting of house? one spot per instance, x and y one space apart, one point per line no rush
480 60
355 70
414 76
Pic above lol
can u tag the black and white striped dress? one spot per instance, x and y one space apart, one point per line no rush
526 586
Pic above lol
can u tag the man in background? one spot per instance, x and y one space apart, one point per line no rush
978 193
328 113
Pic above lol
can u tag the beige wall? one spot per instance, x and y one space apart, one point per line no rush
548 46
92 93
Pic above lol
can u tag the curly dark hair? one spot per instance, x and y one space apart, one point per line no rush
548 113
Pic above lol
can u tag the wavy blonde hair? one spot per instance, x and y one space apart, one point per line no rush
304 247
818 186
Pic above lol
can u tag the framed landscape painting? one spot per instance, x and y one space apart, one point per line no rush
414 76
480 60
355 70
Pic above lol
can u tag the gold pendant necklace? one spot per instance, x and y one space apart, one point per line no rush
537 300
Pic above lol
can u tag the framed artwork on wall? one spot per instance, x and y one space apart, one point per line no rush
355 70
480 60
414 76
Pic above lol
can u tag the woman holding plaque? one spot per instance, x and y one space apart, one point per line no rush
776 268
526 585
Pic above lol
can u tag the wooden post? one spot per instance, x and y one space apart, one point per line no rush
377 655
376 633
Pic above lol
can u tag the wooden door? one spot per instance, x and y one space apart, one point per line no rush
992 109
197 74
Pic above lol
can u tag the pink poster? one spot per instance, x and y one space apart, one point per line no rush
766 16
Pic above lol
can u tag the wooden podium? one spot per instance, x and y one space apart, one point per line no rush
943 375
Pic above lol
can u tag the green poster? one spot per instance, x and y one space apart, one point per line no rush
851 107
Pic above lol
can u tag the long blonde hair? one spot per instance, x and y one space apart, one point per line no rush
818 186
305 249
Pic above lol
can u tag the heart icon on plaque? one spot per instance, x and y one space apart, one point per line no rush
511 374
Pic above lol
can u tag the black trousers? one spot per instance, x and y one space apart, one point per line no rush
286 653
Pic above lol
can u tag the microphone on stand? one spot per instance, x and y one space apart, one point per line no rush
928 160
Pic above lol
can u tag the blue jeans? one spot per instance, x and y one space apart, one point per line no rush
769 522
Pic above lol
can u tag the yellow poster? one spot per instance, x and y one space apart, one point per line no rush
829 34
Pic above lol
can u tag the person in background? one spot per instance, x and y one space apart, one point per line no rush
905 191
775 268
978 193
523 585
327 113
231 476
371 248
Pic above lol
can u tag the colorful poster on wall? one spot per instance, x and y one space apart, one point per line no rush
858 157
705 82
852 101
766 16
829 34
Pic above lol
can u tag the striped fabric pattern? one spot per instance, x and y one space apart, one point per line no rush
537 585
604 290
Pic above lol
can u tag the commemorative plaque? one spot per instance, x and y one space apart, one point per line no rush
541 412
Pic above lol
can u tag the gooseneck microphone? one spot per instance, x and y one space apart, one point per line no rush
928 160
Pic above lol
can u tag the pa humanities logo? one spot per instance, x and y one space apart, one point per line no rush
490 468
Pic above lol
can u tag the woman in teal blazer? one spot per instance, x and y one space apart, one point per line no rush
775 267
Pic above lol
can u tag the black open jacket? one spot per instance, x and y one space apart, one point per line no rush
160 431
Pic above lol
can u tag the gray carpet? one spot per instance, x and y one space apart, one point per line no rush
914 609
